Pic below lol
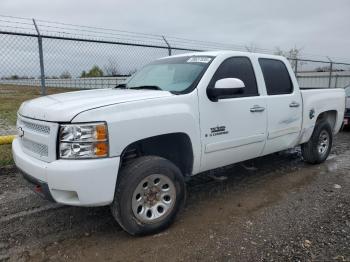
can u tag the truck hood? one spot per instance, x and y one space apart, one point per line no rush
65 106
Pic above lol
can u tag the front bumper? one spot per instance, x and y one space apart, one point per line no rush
38 186
71 182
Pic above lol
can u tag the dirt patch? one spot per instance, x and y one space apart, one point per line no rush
275 208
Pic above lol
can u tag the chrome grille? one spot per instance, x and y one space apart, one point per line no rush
38 138
36 127
37 148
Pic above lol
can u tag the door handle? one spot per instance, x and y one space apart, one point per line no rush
257 108
294 104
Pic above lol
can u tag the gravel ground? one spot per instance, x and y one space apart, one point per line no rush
274 208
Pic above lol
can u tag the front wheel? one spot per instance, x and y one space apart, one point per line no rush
317 149
150 191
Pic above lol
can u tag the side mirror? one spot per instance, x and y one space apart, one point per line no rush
224 88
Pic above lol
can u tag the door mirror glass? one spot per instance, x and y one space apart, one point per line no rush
226 88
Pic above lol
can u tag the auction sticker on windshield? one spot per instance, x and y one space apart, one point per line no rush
199 59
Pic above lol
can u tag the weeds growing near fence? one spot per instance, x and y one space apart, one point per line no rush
11 97
5 155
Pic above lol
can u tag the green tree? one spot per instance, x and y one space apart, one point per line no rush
95 71
83 74
14 77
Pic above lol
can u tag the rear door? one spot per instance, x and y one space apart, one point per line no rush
284 106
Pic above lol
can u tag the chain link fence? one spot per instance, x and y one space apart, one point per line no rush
88 63
66 56
40 57
321 74
49 54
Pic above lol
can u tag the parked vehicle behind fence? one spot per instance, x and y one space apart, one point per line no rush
131 147
347 107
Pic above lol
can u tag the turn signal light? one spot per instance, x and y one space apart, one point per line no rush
101 149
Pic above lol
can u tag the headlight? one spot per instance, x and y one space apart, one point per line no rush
83 141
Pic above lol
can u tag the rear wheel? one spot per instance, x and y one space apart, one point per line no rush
150 192
319 146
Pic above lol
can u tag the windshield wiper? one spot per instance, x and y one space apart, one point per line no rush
146 87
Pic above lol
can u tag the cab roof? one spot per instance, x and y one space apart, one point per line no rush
228 52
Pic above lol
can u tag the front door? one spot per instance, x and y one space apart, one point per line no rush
234 128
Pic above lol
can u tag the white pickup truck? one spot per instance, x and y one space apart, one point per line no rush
132 147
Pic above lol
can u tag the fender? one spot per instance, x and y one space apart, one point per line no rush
137 120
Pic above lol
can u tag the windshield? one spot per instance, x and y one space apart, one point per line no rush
347 91
174 74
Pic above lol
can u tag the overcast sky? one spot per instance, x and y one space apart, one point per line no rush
320 27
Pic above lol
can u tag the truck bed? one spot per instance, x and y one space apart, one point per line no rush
321 100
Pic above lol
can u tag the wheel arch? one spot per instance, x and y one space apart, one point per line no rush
175 147
330 116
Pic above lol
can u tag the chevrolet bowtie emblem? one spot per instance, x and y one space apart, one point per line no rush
20 132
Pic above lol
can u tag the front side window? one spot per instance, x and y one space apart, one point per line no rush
241 68
276 76
174 74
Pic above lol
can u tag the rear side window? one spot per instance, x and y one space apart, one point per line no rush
241 68
276 75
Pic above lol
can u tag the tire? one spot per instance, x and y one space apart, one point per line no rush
311 150
142 209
